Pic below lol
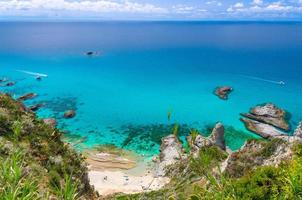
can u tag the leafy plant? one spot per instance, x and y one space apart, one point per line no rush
67 190
13 183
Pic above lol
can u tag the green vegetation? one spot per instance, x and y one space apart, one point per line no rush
203 179
14 182
68 190
193 133
35 163
175 129
245 160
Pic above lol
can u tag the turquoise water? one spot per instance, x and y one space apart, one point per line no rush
147 69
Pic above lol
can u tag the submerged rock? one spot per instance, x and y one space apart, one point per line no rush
108 160
27 96
269 114
69 114
264 130
8 84
170 152
223 92
2 80
36 107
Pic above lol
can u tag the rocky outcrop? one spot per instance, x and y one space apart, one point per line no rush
264 130
27 97
69 114
296 137
266 120
269 114
298 131
216 138
223 92
51 122
170 152
256 153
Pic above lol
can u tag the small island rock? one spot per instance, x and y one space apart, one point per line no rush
223 92
269 114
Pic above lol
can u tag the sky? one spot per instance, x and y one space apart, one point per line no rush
152 9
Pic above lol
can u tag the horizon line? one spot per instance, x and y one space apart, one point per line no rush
143 20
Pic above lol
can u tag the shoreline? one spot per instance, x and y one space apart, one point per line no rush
122 172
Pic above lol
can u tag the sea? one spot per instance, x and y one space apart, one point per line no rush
146 78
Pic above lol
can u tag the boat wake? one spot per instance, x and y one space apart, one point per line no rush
36 75
264 80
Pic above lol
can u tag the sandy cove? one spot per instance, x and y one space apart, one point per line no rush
112 172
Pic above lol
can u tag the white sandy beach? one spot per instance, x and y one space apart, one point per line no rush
110 173
110 182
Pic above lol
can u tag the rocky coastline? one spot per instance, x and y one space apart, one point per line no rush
108 173
266 120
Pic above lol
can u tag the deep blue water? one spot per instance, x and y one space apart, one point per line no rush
147 69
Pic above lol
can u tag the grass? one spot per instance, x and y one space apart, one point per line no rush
193 133
14 183
67 190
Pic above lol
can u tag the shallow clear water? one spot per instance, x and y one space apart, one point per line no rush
147 69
